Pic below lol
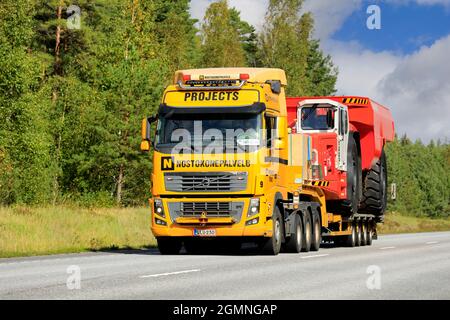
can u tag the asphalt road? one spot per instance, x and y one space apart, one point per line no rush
410 266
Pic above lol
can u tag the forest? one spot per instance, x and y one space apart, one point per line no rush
72 94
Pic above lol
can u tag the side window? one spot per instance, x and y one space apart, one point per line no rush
270 130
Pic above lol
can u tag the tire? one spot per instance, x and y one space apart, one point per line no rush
369 233
350 240
169 245
349 206
317 232
272 246
374 198
358 229
307 232
295 242
364 233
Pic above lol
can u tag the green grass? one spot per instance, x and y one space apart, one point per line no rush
26 231
397 223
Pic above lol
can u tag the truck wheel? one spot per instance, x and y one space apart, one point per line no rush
364 233
358 230
296 240
272 246
374 198
307 233
351 239
169 245
369 236
349 206
317 232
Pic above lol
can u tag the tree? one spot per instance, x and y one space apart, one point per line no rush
284 42
247 37
221 46
320 72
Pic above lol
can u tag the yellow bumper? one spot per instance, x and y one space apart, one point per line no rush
224 227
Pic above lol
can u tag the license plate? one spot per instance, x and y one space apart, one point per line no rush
204 232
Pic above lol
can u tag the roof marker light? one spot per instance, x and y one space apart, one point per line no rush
244 76
186 77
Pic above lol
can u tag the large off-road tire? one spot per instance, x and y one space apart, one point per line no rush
169 245
349 206
307 232
295 242
272 246
317 232
374 198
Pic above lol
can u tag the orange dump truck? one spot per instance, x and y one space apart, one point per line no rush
235 161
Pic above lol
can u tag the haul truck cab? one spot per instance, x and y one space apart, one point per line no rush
220 158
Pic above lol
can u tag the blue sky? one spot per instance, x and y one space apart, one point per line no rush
404 28
404 66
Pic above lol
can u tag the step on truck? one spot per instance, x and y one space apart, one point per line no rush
236 161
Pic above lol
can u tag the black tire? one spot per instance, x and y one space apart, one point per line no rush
317 232
358 229
364 233
374 197
169 245
192 246
307 232
349 206
272 246
350 240
369 233
295 242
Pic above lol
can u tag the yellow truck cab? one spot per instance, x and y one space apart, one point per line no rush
219 151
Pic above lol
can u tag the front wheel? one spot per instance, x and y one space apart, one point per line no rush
169 245
272 246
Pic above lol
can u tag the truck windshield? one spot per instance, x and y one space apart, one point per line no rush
317 118
209 133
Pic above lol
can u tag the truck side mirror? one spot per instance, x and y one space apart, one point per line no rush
146 127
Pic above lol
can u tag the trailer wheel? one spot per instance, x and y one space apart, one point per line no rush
374 198
272 246
169 245
317 232
307 232
296 240
349 206
364 233
351 239
369 233
358 229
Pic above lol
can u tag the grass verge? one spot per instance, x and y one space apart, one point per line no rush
397 223
26 231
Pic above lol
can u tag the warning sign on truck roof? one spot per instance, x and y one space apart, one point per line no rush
355 101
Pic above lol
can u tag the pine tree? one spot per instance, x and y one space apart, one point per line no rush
247 37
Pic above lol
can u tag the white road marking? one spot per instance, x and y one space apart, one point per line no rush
387 248
169 273
315 256
432 242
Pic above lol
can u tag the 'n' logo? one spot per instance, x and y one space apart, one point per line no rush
167 163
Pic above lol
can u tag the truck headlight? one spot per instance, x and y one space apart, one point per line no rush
253 207
158 207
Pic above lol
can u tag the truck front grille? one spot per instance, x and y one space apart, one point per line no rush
211 208
206 182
